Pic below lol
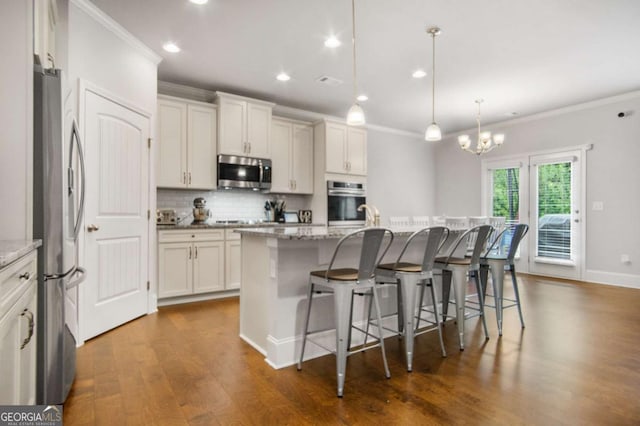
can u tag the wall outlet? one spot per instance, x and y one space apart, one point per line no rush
598 206
624 258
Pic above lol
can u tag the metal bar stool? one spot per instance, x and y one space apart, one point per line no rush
500 258
343 283
455 269
408 276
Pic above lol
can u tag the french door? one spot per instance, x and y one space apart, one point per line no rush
545 192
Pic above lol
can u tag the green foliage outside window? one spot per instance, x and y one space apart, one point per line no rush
506 194
554 189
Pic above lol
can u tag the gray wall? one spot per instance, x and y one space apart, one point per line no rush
401 175
613 176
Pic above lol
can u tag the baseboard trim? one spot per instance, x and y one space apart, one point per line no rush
612 278
198 297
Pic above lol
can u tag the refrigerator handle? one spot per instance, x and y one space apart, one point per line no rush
75 137
83 274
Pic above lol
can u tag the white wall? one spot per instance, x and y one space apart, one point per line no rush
612 176
401 175
16 119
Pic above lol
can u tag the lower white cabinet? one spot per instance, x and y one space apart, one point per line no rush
197 261
18 305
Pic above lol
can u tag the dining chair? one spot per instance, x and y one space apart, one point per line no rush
408 277
498 258
343 283
455 267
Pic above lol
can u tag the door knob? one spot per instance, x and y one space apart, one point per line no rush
93 228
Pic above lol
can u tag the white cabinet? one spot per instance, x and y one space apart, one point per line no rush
244 126
232 259
291 156
18 305
345 148
186 155
45 15
190 262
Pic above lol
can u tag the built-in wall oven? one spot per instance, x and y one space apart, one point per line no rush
343 200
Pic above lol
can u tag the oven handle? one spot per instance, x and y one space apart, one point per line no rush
346 192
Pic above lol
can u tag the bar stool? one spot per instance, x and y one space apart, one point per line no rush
455 267
343 283
408 276
500 258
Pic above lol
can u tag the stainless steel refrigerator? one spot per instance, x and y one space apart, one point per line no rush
58 181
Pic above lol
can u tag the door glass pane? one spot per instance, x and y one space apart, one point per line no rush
554 210
506 194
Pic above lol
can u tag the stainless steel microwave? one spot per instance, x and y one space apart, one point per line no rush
244 172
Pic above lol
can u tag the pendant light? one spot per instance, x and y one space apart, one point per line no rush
433 132
355 116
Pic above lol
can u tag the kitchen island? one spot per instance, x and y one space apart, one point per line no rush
273 296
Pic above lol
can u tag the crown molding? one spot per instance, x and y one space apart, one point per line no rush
108 23
553 113
188 92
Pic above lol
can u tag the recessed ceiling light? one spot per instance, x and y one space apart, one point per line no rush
171 47
419 74
362 98
283 77
199 1
332 42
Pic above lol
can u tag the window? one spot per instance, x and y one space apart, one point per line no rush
506 194
554 210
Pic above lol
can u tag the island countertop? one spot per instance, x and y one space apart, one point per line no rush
311 232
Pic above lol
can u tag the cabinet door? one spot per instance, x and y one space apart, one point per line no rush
233 264
201 147
175 264
27 337
208 266
232 126
357 151
259 130
336 140
302 159
171 164
281 138
10 357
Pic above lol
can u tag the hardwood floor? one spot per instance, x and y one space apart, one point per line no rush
576 362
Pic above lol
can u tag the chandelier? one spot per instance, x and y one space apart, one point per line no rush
485 142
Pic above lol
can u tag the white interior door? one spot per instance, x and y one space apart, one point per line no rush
116 228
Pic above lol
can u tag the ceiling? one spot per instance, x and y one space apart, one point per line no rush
520 56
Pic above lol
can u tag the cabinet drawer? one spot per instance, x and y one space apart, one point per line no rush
15 279
190 235
230 235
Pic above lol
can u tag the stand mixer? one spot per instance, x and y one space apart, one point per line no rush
200 212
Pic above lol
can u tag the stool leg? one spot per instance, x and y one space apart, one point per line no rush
459 280
399 300
497 278
366 331
517 293
481 301
381 333
446 292
420 301
435 314
306 324
484 278
342 297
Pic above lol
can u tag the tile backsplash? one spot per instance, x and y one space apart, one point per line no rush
231 204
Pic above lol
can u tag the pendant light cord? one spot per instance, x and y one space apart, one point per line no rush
353 39
433 81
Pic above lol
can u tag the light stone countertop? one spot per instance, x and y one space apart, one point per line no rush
214 225
11 250
312 232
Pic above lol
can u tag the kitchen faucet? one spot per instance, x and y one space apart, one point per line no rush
373 218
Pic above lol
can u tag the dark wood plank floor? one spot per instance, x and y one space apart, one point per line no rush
576 363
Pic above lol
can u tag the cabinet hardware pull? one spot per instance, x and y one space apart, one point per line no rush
24 276
27 313
184 177
196 252
93 228
189 178
189 252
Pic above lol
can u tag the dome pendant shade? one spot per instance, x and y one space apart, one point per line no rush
433 133
355 116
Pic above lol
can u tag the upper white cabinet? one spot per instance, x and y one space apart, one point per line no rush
345 148
244 126
45 15
186 156
291 156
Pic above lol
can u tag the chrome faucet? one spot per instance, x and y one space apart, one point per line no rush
373 215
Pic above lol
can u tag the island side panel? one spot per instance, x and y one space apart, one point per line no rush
254 310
